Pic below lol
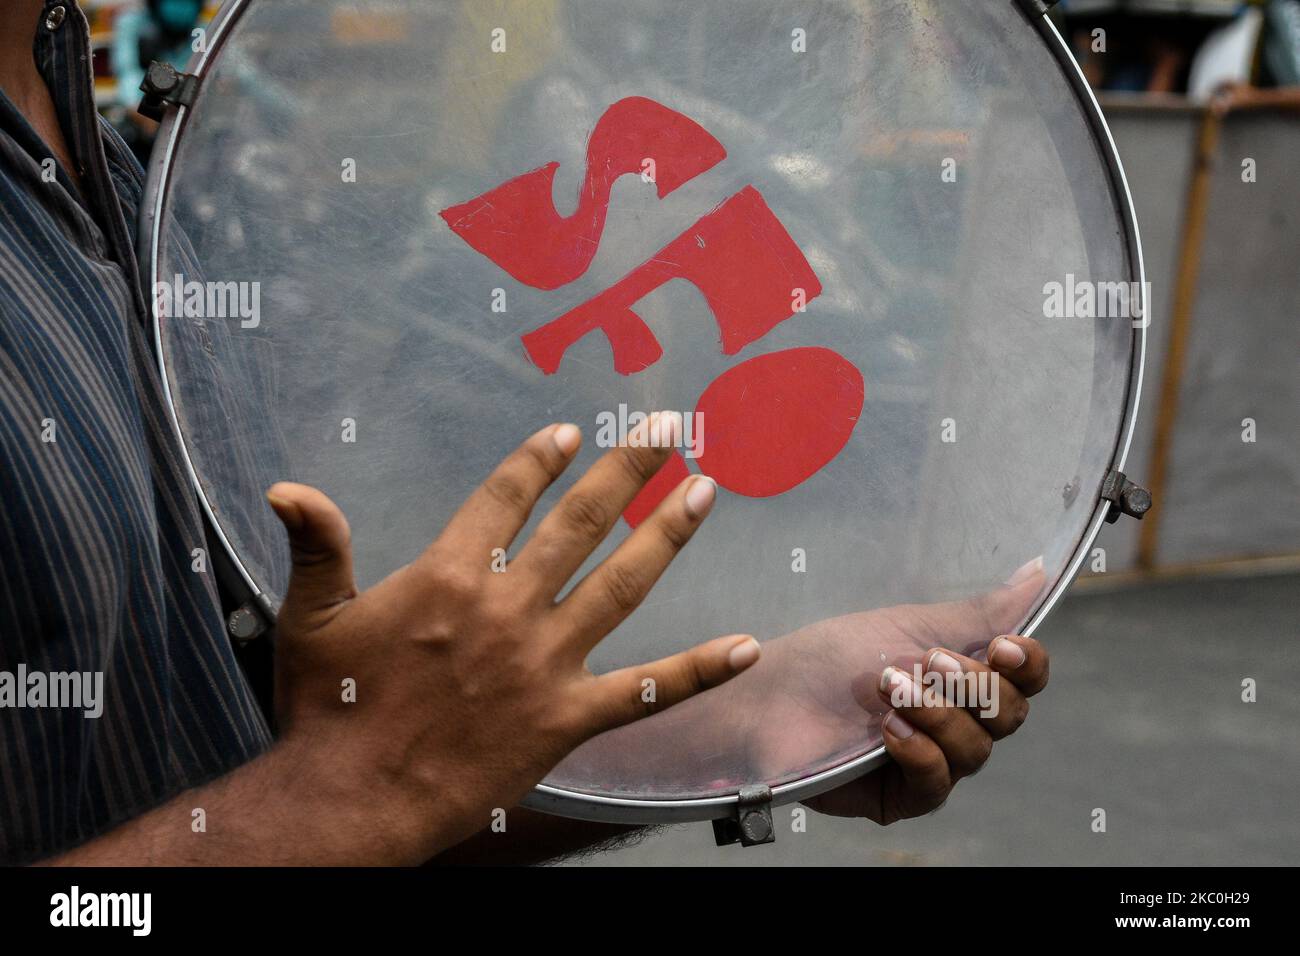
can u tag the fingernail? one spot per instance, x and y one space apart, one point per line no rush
894 682
896 726
566 438
700 496
643 434
1006 654
667 428
743 655
944 664
1026 571
286 510
886 677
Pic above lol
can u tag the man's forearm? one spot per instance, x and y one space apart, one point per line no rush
279 809
261 814
531 837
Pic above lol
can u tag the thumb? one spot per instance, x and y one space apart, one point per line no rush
320 544
969 625
1004 607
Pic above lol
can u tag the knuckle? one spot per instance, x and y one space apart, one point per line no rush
344 543
456 583
624 587
695 676
676 680
939 718
929 792
1019 714
310 555
507 491
586 515
541 455
578 720
438 631
1042 680
641 463
978 755
638 707
675 534
588 713
935 797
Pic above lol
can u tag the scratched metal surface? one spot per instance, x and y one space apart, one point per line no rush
372 309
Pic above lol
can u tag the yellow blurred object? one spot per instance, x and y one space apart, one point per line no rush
531 37
358 28
910 142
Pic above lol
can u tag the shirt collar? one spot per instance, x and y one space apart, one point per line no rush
63 58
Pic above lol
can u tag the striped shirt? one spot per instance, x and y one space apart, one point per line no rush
98 521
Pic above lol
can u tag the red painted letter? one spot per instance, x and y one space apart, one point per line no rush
739 256
516 225
773 422
768 425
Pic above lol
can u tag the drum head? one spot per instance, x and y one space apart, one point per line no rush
851 241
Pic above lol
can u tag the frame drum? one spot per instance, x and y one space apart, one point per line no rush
880 254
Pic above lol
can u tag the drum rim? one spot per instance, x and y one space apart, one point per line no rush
576 804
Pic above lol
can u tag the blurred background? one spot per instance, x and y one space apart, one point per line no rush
1174 617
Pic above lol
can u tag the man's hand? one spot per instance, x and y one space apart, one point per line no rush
470 684
817 692
934 747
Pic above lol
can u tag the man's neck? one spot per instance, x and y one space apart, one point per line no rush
18 76
21 81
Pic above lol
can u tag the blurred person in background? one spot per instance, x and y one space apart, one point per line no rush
160 30
1149 47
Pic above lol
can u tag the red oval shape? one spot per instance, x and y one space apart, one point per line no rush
773 422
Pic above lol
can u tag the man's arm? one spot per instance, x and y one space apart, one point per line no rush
531 837
469 684
280 809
